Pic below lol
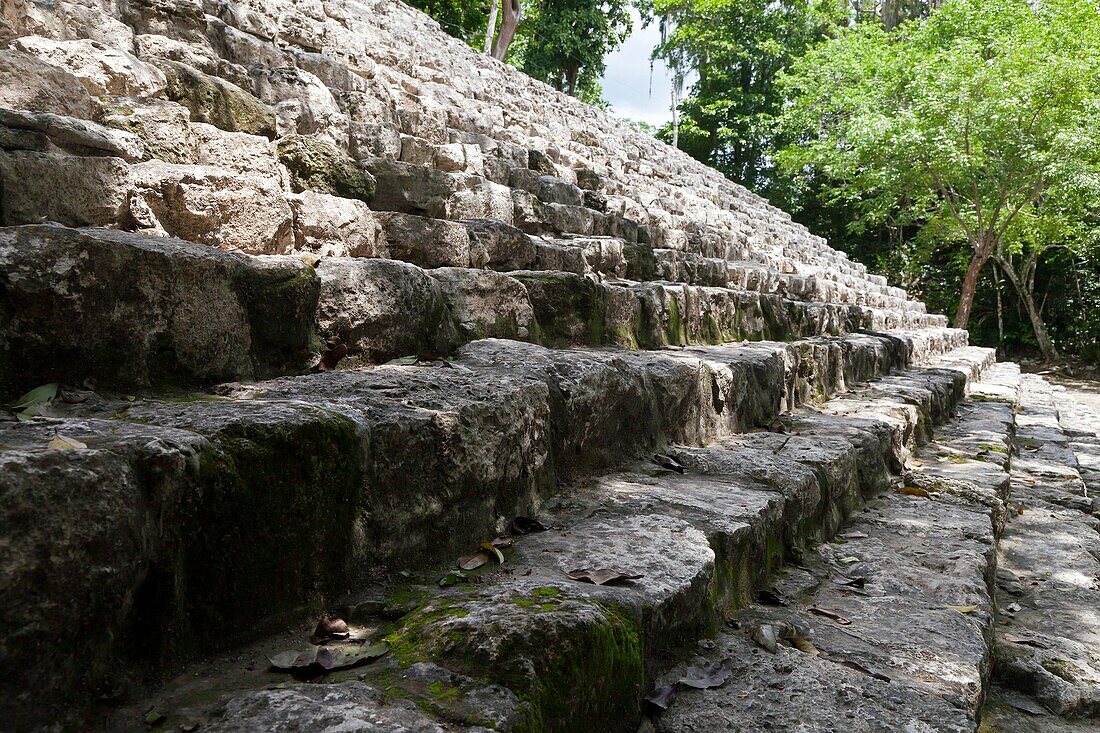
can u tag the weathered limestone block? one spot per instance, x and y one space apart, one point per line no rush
331 226
103 70
78 137
135 311
216 206
426 242
30 84
343 706
77 546
303 104
163 127
479 198
381 309
145 544
486 304
573 309
38 187
156 48
412 189
500 246
319 166
216 101
65 21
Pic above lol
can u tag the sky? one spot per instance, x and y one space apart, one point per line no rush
626 83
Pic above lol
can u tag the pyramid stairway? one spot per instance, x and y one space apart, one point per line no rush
333 300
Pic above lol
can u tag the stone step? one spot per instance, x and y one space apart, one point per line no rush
909 647
1047 659
524 647
195 508
195 315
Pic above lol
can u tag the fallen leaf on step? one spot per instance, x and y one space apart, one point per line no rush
502 543
494 551
833 615
860 668
963 609
801 643
668 462
602 576
849 582
764 635
61 442
769 597
354 654
526 525
36 402
473 562
661 697
329 628
154 718
331 358
708 676
853 535
848 560
914 491
319 657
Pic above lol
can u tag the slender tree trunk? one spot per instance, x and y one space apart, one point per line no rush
1025 287
512 15
982 251
491 29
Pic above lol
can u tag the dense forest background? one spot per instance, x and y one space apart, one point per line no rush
948 145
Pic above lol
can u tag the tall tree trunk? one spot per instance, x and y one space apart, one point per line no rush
491 29
1025 288
982 251
512 15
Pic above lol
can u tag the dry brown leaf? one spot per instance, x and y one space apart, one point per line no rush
601 576
914 491
963 609
833 615
61 442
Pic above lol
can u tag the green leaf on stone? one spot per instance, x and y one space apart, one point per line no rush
295 660
61 442
352 655
36 397
154 718
602 576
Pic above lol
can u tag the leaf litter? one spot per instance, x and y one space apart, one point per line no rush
601 576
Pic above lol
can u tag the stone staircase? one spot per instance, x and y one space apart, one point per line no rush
334 301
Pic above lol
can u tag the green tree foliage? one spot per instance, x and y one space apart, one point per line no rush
973 126
565 42
738 48
465 19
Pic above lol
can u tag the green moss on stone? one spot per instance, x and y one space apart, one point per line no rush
316 165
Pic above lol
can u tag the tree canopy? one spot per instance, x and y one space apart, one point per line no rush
975 126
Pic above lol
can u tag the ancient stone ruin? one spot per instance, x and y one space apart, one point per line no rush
310 301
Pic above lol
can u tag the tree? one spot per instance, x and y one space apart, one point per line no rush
567 41
738 48
967 125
